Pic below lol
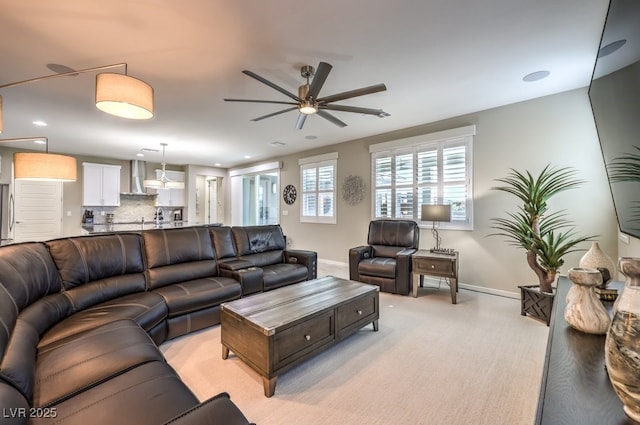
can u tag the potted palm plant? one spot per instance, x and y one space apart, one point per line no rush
545 236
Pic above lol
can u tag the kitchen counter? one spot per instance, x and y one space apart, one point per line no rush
135 226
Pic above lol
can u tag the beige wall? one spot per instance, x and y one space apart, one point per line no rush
556 129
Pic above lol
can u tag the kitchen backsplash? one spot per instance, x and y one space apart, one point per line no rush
132 209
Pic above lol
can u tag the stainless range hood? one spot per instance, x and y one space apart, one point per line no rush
138 174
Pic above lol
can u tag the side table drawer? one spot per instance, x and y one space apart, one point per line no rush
305 335
433 265
357 310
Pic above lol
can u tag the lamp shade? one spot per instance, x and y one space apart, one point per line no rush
44 166
124 96
436 213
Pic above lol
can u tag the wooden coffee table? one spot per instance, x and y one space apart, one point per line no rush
274 331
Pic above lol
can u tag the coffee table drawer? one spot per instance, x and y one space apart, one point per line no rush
357 310
306 335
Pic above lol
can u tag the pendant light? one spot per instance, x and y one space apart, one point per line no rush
163 182
116 94
42 165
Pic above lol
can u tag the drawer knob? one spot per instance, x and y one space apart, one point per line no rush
359 312
307 337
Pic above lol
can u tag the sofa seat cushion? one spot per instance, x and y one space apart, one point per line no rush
81 361
378 266
198 294
149 394
145 308
282 274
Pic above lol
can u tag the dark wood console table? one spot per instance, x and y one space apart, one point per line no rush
575 387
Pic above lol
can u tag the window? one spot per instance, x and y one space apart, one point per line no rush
318 187
430 169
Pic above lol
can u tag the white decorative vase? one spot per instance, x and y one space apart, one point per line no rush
595 257
584 311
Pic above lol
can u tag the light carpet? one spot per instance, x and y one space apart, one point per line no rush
431 363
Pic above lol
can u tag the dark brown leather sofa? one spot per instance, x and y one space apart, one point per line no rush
81 318
386 259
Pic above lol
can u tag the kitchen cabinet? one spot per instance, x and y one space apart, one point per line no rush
100 185
170 197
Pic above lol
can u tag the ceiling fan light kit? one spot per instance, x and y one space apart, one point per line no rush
307 101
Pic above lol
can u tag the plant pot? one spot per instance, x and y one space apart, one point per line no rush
535 303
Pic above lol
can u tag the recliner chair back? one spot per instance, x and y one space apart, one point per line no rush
388 237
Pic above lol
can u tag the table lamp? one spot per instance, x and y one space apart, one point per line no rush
436 214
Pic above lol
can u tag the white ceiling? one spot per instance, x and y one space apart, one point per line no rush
438 59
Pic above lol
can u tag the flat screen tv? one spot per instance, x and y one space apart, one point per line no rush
615 100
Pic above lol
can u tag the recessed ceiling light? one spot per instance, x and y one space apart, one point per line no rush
40 142
535 76
39 123
217 164
611 47
277 144
311 137
140 154
247 157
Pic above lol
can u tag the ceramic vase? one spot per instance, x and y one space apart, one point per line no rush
595 258
622 345
583 310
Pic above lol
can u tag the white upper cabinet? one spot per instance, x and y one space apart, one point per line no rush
100 185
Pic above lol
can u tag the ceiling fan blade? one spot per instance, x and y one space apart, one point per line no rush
377 112
272 85
273 114
353 93
327 116
260 101
300 122
318 80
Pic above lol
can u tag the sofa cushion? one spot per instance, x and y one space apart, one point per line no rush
282 274
386 251
27 277
223 242
149 394
404 233
258 239
378 266
13 405
178 255
80 361
145 308
194 295
98 268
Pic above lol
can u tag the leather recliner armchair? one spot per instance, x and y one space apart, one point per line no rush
386 260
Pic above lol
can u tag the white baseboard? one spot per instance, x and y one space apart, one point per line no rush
333 263
434 280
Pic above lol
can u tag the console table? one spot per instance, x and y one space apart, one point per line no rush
425 262
575 387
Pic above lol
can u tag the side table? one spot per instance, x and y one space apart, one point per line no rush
425 262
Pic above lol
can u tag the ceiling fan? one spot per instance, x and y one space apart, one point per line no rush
307 101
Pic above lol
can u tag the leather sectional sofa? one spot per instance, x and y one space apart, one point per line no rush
81 318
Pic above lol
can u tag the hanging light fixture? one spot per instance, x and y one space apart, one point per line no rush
116 94
163 182
42 166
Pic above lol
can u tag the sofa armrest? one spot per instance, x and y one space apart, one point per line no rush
403 270
234 264
356 255
218 410
307 258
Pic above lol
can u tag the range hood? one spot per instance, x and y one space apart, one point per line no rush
138 174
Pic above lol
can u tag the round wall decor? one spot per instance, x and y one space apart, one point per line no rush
289 194
353 189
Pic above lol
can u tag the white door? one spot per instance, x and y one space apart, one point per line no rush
38 210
